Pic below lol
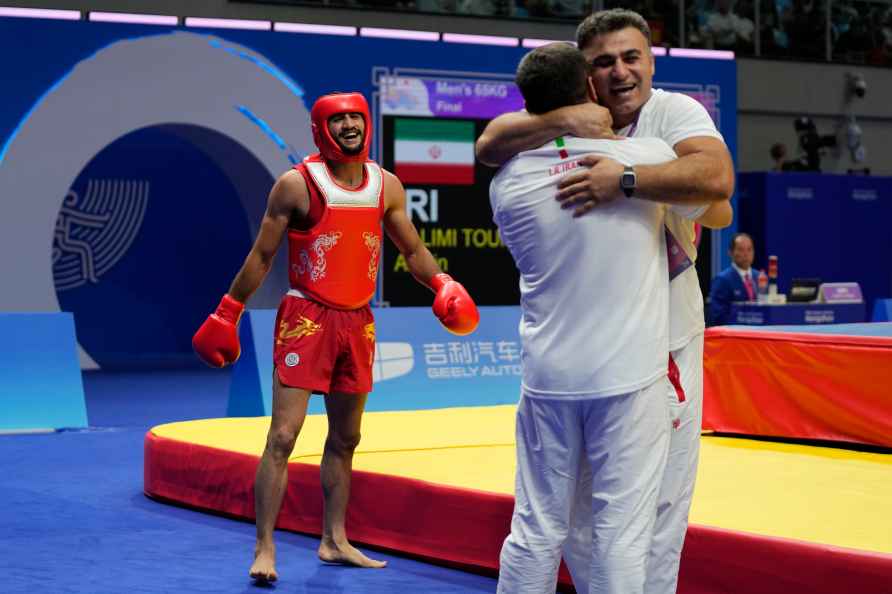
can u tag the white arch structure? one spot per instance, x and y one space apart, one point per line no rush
176 78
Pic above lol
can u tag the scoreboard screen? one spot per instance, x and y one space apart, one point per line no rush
427 129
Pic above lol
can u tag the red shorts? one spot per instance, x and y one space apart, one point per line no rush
322 349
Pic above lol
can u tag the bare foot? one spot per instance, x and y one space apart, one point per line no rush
346 554
263 569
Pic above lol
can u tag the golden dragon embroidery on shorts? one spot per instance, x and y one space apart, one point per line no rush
304 327
373 242
322 245
369 332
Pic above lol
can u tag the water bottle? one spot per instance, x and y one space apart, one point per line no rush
772 276
763 287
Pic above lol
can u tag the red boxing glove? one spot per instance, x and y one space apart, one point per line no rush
216 342
453 306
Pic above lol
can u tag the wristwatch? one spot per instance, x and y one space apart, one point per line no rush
628 181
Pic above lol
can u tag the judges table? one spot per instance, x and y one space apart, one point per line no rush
769 314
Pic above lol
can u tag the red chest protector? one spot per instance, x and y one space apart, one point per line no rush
335 262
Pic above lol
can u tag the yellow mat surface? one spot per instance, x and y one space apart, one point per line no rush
822 495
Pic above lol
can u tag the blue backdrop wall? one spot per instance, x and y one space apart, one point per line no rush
136 160
834 228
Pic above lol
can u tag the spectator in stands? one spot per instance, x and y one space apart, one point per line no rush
486 7
738 282
726 30
696 14
776 39
853 39
885 40
808 30
446 6
569 8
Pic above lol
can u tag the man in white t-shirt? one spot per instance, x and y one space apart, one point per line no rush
617 44
592 430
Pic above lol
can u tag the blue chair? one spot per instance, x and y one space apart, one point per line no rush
882 310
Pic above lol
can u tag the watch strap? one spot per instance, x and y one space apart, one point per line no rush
628 189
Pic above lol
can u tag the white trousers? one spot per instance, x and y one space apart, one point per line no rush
588 476
677 486
677 489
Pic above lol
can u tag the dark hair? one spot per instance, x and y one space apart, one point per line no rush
609 21
778 150
736 236
552 76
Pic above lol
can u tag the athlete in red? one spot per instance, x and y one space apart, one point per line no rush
331 207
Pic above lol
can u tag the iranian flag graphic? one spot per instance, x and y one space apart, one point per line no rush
434 152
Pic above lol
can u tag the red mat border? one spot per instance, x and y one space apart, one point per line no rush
798 385
466 527
804 337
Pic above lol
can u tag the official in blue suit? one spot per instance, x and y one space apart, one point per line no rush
738 282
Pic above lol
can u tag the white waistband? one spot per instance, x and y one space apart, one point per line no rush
296 293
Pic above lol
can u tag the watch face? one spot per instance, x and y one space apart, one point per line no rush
627 180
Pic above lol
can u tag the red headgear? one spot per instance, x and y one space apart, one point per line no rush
332 104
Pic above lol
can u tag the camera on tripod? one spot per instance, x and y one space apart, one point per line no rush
811 142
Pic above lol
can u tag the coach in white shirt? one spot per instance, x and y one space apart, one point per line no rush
617 45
